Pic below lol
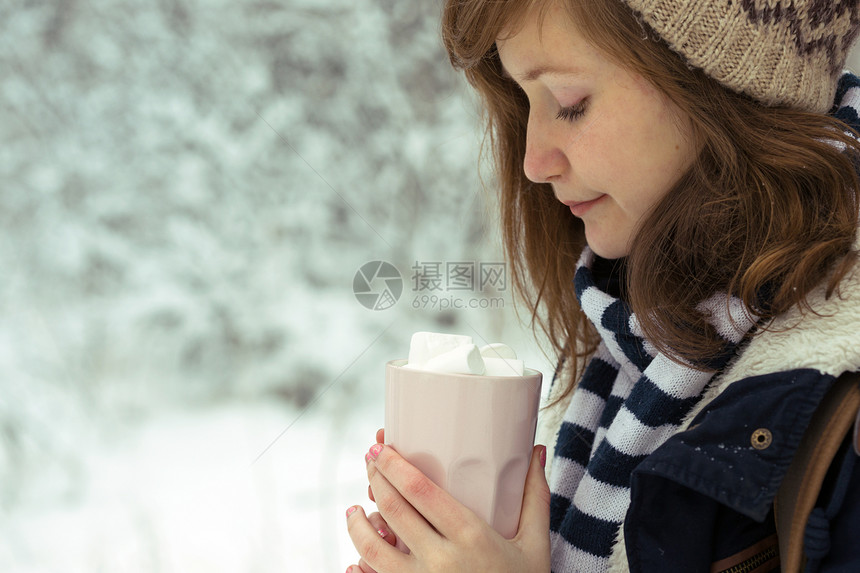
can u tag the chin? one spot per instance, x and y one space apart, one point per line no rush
609 237
608 249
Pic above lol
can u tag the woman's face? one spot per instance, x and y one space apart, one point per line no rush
607 141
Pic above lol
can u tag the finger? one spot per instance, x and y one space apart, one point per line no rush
382 528
534 517
412 527
374 551
436 505
364 567
380 436
402 547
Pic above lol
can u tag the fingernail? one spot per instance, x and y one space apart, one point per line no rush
367 458
543 457
382 533
351 510
374 451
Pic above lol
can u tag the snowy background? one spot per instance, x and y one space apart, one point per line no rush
187 381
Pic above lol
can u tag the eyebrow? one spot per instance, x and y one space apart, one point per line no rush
535 73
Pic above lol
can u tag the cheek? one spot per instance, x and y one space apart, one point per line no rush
635 156
612 159
649 159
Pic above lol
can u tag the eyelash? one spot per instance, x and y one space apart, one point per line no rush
573 112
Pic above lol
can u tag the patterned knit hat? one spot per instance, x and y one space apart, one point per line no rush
780 52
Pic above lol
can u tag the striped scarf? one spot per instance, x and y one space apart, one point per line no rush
629 401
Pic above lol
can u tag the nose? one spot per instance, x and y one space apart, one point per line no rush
544 161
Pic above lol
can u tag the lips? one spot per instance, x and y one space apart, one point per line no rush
580 208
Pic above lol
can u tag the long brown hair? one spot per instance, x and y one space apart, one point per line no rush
767 209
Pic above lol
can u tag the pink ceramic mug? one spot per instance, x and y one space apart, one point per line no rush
472 435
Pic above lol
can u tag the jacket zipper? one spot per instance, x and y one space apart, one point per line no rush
755 561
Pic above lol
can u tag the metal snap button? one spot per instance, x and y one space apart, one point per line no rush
761 439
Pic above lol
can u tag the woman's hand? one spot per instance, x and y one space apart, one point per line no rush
442 534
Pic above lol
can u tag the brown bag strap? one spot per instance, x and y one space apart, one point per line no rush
796 498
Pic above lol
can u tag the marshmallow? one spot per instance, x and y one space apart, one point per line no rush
465 359
457 354
427 345
498 350
503 367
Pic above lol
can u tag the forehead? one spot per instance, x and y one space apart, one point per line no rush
544 41
530 22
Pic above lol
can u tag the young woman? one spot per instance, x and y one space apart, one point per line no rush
679 200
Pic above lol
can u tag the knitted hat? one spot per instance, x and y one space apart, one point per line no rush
780 52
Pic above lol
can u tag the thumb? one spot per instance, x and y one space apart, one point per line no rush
534 517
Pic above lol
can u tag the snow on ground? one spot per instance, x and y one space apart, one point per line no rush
181 492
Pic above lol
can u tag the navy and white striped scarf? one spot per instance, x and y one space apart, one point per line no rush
630 399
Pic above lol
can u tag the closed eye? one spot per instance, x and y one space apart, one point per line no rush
573 112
